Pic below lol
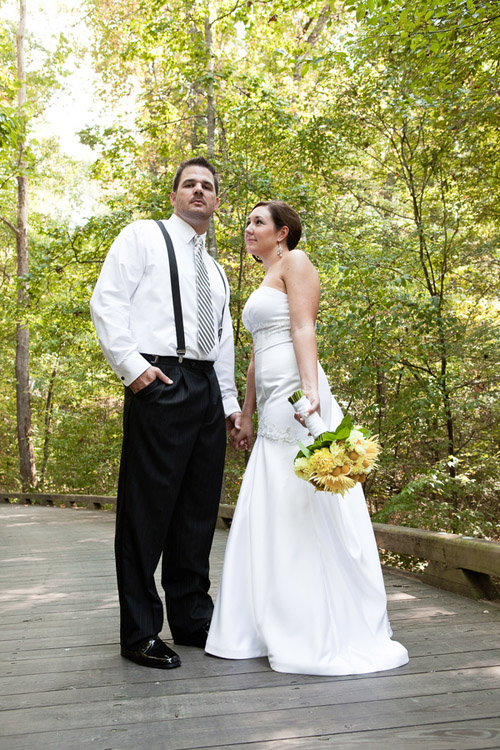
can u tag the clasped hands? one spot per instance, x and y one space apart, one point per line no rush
240 431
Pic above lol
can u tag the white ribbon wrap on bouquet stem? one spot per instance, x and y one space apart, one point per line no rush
313 422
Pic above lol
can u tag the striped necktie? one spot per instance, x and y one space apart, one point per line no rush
206 335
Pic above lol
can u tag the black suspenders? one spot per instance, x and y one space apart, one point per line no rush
225 295
176 296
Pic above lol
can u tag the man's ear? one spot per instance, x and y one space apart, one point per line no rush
173 197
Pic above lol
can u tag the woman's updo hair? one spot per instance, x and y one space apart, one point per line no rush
283 215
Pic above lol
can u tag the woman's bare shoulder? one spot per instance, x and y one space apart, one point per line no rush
297 262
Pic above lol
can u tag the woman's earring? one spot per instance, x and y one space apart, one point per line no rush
280 251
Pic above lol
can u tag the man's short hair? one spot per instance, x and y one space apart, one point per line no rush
196 161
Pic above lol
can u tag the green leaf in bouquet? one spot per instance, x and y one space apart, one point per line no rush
303 450
324 440
344 429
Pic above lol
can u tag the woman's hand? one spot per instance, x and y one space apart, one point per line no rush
313 397
241 436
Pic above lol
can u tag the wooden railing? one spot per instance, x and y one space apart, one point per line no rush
456 563
465 565
91 502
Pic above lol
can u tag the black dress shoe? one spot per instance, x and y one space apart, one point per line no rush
152 653
198 638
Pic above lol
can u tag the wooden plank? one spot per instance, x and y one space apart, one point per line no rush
462 735
269 697
252 688
167 724
80 672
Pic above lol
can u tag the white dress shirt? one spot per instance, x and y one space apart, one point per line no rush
132 308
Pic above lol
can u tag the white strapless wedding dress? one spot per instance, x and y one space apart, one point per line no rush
302 582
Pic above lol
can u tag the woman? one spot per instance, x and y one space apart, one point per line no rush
302 582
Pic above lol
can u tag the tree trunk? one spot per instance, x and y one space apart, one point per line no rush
381 390
447 407
24 431
313 37
210 94
49 403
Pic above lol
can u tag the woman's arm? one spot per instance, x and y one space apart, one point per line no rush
243 436
303 289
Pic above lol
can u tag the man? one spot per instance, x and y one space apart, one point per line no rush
176 396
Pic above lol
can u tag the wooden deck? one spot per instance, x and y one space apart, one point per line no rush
64 685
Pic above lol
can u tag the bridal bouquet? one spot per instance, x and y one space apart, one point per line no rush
336 460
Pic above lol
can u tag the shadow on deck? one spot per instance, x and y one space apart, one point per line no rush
64 684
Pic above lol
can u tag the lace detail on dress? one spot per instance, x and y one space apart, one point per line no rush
273 432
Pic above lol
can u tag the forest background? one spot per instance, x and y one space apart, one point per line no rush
378 120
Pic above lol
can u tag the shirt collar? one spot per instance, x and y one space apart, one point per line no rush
185 230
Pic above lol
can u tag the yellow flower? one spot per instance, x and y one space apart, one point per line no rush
358 466
372 449
329 483
338 453
321 462
301 467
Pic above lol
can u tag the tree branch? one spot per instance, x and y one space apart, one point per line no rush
9 224
311 40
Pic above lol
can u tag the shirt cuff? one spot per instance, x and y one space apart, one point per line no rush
230 405
130 370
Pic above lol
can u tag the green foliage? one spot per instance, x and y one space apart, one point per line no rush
233 474
438 502
10 127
